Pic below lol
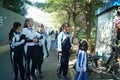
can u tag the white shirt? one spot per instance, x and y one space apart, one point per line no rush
30 34
41 34
16 40
61 37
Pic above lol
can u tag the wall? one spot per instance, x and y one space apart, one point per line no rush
106 31
7 18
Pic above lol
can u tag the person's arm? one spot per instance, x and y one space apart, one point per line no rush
17 43
71 42
80 59
60 44
84 62
79 62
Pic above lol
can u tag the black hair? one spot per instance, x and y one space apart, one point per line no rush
60 30
41 25
83 45
65 25
26 22
15 26
52 32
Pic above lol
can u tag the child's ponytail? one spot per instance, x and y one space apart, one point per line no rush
11 33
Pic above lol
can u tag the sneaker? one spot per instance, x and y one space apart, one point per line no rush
58 75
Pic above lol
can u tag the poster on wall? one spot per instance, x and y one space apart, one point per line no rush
105 32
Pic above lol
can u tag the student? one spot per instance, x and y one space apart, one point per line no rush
17 45
64 45
56 35
81 61
30 36
52 37
41 47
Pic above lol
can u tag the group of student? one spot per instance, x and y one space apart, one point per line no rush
28 44
32 45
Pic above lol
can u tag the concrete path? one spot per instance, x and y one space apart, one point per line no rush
48 69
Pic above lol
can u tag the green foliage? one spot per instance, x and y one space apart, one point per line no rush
95 5
18 6
71 9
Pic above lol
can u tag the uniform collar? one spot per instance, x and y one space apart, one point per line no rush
40 32
65 32
30 28
17 32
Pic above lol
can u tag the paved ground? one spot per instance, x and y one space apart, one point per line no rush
49 66
5 65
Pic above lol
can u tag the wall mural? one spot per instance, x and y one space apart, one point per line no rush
108 24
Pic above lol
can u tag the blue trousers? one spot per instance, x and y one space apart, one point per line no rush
80 76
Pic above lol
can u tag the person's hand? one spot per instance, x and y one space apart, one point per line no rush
35 40
60 54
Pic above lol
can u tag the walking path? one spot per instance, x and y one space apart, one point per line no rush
48 68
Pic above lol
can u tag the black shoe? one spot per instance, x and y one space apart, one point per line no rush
33 77
15 78
58 75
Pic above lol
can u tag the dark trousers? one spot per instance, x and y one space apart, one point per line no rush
30 56
64 63
11 50
18 62
39 57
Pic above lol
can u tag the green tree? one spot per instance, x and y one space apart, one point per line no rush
80 13
91 7
18 6
71 7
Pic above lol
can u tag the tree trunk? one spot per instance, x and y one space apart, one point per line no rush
88 23
74 17
74 25
69 16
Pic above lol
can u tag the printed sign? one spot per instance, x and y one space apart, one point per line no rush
1 21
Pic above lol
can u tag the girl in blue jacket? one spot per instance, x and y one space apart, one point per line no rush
81 61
